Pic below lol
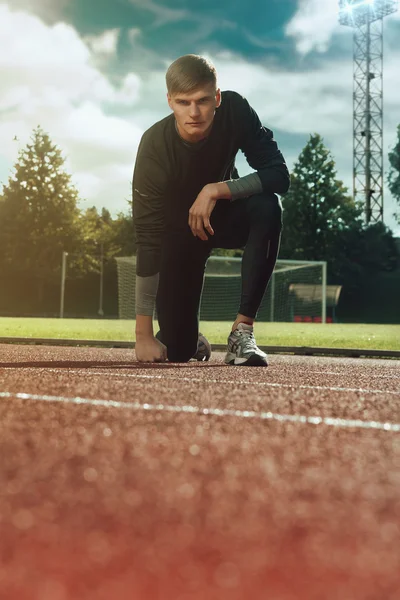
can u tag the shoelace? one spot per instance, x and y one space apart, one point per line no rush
248 337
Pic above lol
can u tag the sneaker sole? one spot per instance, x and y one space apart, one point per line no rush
254 361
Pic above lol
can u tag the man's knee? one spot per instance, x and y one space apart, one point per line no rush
179 349
266 210
181 354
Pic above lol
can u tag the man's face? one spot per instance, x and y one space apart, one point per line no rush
194 112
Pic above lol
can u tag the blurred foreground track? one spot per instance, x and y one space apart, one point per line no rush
198 481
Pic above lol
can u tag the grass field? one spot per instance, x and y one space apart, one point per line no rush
375 337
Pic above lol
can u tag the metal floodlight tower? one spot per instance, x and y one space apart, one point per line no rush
366 18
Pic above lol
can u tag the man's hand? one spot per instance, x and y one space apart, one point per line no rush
200 212
150 349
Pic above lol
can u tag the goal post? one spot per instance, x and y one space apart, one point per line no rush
297 290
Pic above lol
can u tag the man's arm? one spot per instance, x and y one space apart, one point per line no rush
146 291
262 154
148 181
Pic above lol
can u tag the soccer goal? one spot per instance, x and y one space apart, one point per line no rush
297 290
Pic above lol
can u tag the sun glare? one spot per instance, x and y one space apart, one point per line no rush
350 7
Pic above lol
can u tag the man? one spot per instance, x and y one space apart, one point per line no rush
188 199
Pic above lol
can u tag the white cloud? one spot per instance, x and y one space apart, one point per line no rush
47 9
105 43
133 34
318 100
60 87
49 77
316 22
43 57
294 101
313 25
205 24
163 14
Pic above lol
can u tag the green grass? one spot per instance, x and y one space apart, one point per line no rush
375 337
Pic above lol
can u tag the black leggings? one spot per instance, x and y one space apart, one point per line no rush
253 223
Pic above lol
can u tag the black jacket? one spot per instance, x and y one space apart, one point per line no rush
169 174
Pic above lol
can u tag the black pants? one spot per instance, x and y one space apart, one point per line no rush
253 223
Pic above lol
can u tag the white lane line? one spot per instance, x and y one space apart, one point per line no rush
217 412
309 372
294 386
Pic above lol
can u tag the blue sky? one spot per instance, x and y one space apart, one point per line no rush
91 73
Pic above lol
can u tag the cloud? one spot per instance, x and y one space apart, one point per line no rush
264 42
163 14
318 100
315 24
199 24
49 78
48 10
284 98
105 43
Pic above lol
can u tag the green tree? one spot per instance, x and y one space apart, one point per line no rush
394 171
103 239
123 235
39 216
322 222
317 208
97 232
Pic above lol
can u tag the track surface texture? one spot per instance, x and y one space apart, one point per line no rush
199 481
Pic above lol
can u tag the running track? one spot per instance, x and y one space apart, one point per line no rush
198 481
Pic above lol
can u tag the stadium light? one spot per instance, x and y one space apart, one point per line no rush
359 12
350 6
365 17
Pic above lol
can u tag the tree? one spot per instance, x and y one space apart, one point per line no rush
97 240
321 222
39 217
394 172
103 238
124 235
317 208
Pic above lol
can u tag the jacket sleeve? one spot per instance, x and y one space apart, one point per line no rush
148 191
261 150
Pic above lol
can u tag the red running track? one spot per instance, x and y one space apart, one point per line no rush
198 481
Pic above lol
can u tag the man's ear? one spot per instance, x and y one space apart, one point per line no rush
169 101
218 98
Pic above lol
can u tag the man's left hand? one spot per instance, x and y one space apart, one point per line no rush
200 212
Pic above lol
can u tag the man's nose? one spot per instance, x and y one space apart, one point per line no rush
194 110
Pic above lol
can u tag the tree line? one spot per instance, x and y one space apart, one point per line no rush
323 222
40 218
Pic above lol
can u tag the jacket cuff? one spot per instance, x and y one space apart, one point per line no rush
245 186
146 292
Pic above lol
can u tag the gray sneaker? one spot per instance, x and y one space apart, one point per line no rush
243 350
203 348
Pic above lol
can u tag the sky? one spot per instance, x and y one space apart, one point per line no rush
91 73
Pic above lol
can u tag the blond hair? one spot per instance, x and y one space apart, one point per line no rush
189 73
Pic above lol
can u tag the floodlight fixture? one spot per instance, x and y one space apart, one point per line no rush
359 12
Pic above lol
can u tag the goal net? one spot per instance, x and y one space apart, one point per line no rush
296 291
